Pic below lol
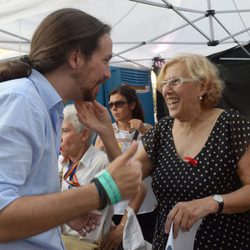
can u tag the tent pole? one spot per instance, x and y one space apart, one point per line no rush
231 11
235 34
164 6
162 35
14 42
11 34
186 19
233 59
174 43
211 27
131 61
232 36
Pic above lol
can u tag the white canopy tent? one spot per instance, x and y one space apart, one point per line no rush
141 29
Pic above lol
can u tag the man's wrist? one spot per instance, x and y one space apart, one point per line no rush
109 185
102 194
106 188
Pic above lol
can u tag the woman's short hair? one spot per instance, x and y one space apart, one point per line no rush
130 94
202 69
70 115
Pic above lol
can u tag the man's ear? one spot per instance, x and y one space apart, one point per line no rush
75 58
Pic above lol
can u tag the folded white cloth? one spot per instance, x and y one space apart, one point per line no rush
132 235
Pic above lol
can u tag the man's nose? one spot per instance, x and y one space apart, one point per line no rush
107 72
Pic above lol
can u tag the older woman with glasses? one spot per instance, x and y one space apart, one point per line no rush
129 125
199 159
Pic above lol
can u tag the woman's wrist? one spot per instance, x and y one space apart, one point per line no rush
106 131
143 130
213 205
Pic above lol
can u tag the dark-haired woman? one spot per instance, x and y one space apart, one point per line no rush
129 125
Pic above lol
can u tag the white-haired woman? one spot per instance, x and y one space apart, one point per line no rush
79 162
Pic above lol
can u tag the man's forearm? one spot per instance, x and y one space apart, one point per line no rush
31 215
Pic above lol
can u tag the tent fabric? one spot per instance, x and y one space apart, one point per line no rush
141 29
236 76
145 29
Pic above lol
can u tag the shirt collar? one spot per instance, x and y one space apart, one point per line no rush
87 156
45 89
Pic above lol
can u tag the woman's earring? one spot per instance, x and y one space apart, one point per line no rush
200 98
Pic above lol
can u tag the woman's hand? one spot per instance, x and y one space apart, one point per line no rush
185 214
136 124
94 116
113 239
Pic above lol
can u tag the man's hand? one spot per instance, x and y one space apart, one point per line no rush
86 223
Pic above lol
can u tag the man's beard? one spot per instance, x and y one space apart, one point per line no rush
89 95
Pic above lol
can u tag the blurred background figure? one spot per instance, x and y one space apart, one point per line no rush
129 125
78 163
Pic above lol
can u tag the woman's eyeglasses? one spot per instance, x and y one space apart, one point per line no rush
117 104
172 82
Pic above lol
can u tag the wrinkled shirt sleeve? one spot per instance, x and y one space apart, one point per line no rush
21 141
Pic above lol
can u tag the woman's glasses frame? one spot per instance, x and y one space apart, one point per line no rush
117 104
176 81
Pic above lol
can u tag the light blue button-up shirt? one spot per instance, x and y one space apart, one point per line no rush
31 113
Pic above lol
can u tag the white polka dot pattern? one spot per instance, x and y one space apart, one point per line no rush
216 173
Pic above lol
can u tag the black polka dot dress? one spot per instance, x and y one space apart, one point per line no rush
215 173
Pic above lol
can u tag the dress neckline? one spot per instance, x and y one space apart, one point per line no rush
205 144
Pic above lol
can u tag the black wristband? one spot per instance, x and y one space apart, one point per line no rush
102 193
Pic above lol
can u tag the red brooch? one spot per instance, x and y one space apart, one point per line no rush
191 161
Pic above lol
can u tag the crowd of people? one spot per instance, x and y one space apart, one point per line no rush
195 162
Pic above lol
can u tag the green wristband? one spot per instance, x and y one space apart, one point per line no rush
109 185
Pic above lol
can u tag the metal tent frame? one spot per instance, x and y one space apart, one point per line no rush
126 50
209 13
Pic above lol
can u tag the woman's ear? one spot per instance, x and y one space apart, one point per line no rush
204 87
85 135
132 105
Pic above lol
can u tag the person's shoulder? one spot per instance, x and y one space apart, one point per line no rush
16 86
21 89
165 120
147 125
98 155
234 118
233 114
